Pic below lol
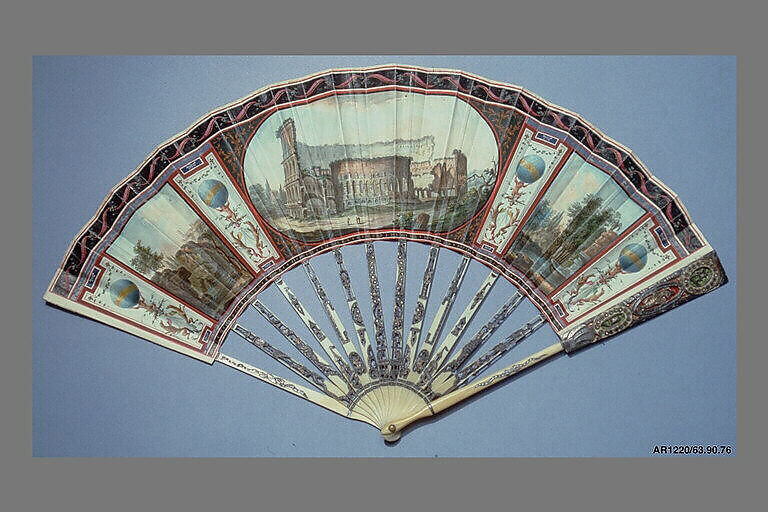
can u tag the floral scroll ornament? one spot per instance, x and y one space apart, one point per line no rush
528 171
125 294
590 287
216 196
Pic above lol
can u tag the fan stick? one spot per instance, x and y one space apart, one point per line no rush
419 311
398 315
344 392
480 337
439 321
333 375
302 392
483 362
398 319
361 370
329 348
314 378
379 333
392 431
357 317
359 325
458 328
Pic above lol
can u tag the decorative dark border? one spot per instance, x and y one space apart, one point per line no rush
537 109
505 107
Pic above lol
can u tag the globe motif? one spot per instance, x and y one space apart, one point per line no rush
530 168
125 293
633 257
213 193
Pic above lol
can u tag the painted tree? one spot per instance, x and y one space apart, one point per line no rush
587 220
145 259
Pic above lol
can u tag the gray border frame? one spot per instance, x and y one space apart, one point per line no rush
579 27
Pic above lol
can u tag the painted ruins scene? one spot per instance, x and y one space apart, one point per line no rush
369 161
167 243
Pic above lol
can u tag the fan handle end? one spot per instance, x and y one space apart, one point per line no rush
393 430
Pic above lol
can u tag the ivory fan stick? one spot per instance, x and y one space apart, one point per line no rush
392 431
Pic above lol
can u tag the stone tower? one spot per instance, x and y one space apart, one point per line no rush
293 182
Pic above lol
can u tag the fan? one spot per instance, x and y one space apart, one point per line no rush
392 160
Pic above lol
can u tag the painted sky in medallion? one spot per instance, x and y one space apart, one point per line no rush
375 117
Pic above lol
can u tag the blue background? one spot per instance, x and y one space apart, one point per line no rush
102 392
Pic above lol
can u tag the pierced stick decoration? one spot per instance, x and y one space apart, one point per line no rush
356 362
458 329
379 333
438 322
486 360
420 310
333 353
439 157
314 378
440 382
398 316
357 317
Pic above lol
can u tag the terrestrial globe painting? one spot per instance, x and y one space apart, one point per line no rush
213 193
125 293
530 168
386 242
633 257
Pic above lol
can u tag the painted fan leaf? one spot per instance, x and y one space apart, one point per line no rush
545 201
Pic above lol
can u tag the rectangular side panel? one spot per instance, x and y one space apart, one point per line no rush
89 312
212 191
627 264
515 196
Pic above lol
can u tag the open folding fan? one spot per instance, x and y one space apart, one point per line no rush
387 155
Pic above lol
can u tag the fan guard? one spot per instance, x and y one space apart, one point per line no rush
390 154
